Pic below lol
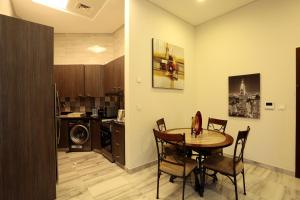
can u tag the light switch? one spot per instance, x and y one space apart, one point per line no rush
138 107
281 107
269 105
138 80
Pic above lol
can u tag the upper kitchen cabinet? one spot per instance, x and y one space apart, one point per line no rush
119 68
108 80
114 76
93 78
69 80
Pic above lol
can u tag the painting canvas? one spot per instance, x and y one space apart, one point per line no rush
244 96
167 65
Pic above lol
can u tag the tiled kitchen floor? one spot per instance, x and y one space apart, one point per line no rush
89 176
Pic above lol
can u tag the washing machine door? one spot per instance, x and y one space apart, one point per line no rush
79 134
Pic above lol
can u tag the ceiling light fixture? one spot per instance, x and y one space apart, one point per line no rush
58 4
96 49
200 1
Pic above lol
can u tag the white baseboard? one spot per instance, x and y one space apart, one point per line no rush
136 169
259 164
276 169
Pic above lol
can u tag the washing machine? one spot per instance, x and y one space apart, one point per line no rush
79 135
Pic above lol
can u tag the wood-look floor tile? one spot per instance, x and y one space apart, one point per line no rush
89 176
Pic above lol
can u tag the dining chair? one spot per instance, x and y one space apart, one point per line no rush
230 167
218 125
175 165
167 148
161 125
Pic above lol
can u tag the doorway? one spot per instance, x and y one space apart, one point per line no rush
297 167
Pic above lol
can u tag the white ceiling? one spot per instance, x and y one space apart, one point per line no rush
111 15
109 18
195 12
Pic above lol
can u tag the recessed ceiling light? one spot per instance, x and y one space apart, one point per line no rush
200 1
58 4
96 49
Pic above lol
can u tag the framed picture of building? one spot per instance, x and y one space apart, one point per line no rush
244 96
167 65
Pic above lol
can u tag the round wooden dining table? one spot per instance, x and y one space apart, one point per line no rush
207 140
204 142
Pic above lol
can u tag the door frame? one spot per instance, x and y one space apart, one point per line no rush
297 143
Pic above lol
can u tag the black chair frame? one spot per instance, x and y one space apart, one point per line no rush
174 139
238 157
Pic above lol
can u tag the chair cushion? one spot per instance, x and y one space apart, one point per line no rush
177 170
223 164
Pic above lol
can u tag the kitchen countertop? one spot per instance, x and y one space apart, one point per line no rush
90 117
119 123
77 117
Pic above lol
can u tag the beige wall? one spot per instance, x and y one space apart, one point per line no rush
72 48
259 38
6 8
144 104
118 38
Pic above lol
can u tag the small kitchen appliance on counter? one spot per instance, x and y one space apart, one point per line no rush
110 112
121 115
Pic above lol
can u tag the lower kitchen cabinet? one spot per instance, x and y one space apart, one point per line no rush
63 135
95 132
118 142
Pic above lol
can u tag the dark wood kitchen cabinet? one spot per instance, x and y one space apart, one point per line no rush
27 136
95 131
108 77
118 143
93 79
69 80
114 76
79 80
63 135
119 68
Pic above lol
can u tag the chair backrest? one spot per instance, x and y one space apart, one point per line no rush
177 140
240 143
161 124
216 125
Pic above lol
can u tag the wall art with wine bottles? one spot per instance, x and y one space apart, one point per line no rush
167 65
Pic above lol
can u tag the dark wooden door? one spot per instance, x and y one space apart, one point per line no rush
69 80
297 113
27 136
93 80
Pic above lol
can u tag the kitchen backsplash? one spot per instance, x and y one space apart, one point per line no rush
85 104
